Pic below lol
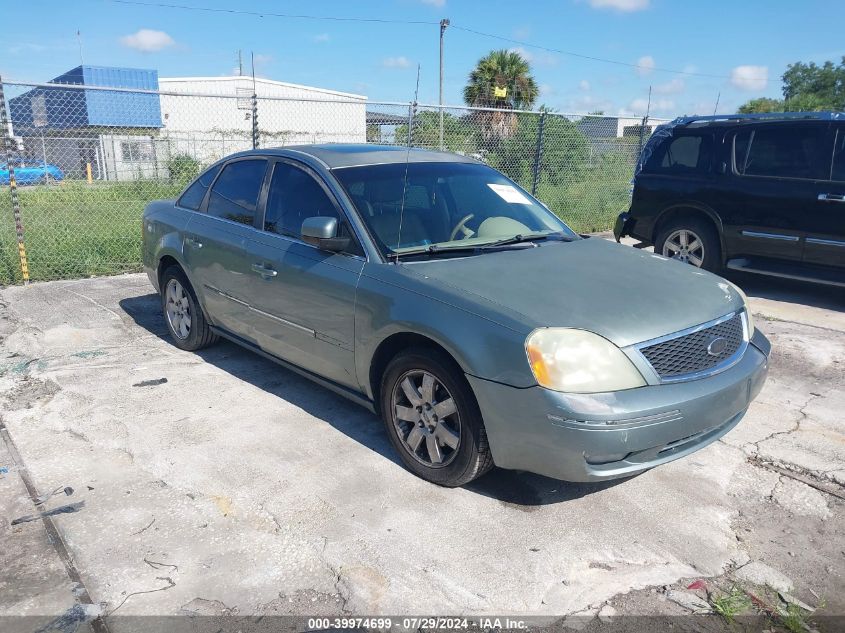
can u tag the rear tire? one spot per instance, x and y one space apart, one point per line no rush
691 240
433 419
183 315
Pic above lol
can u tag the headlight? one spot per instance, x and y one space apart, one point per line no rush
748 317
578 361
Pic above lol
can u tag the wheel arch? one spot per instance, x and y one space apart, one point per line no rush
689 209
165 262
387 350
170 257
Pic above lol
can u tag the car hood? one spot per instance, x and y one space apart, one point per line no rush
624 294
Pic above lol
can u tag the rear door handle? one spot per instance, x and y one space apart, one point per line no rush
832 197
193 242
265 271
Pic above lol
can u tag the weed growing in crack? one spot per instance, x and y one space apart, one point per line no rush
730 604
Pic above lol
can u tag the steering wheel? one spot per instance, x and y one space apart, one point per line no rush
461 227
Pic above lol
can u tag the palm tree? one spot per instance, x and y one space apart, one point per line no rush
502 79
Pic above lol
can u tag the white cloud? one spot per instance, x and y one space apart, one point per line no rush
625 6
260 58
542 58
584 85
322 37
640 106
396 62
645 65
148 41
434 3
750 77
673 87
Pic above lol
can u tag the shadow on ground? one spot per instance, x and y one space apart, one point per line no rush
790 290
510 487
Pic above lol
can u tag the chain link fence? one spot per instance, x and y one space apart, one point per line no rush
80 162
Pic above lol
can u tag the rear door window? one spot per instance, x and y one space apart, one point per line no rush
193 196
783 151
234 195
682 154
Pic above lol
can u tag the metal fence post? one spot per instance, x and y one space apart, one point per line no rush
254 121
411 107
642 136
8 147
538 154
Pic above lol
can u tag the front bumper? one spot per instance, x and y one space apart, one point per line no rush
595 437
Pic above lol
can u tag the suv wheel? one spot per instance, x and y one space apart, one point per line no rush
692 241
433 420
185 319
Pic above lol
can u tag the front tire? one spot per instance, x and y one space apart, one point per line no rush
433 419
185 320
690 240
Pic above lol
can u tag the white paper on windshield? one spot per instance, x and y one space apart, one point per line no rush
509 193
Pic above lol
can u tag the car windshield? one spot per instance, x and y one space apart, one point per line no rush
445 205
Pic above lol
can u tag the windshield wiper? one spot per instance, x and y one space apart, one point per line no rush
521 239
434 249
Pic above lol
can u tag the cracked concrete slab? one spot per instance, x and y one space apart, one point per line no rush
254 491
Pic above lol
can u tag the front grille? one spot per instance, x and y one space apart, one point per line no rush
688 353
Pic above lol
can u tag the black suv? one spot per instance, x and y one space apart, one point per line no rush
758 193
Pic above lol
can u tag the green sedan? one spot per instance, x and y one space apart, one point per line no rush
433 290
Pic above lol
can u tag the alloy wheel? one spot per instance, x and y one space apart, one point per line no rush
684 245
177 306
426 418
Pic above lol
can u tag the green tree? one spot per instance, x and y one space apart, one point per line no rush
501 79
761 104
459 133
806 88
821 87
564 156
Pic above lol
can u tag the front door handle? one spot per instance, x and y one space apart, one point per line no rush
190 241
832 197
265 271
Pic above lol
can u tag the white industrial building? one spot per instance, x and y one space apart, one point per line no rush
210 117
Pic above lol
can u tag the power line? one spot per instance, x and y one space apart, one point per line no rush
502 38
592 58
270 14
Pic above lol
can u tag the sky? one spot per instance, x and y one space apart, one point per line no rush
730 50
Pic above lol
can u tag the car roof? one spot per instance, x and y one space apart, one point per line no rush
336 155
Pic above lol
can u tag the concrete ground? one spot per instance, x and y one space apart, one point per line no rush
218 483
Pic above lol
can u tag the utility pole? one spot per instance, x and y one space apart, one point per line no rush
240 64
443 24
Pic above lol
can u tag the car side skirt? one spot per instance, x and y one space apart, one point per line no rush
355 396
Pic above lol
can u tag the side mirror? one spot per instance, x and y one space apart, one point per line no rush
321 231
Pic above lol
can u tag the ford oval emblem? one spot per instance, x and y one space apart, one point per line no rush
717 346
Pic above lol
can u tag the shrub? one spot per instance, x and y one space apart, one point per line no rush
183 168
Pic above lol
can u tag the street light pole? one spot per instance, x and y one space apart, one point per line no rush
443 24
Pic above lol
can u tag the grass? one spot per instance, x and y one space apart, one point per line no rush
74 229
731 604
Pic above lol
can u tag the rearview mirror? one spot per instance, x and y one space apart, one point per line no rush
321 231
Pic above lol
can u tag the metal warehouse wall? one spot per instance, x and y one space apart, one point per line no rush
57 108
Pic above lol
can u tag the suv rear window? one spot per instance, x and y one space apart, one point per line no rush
782 151
682 154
